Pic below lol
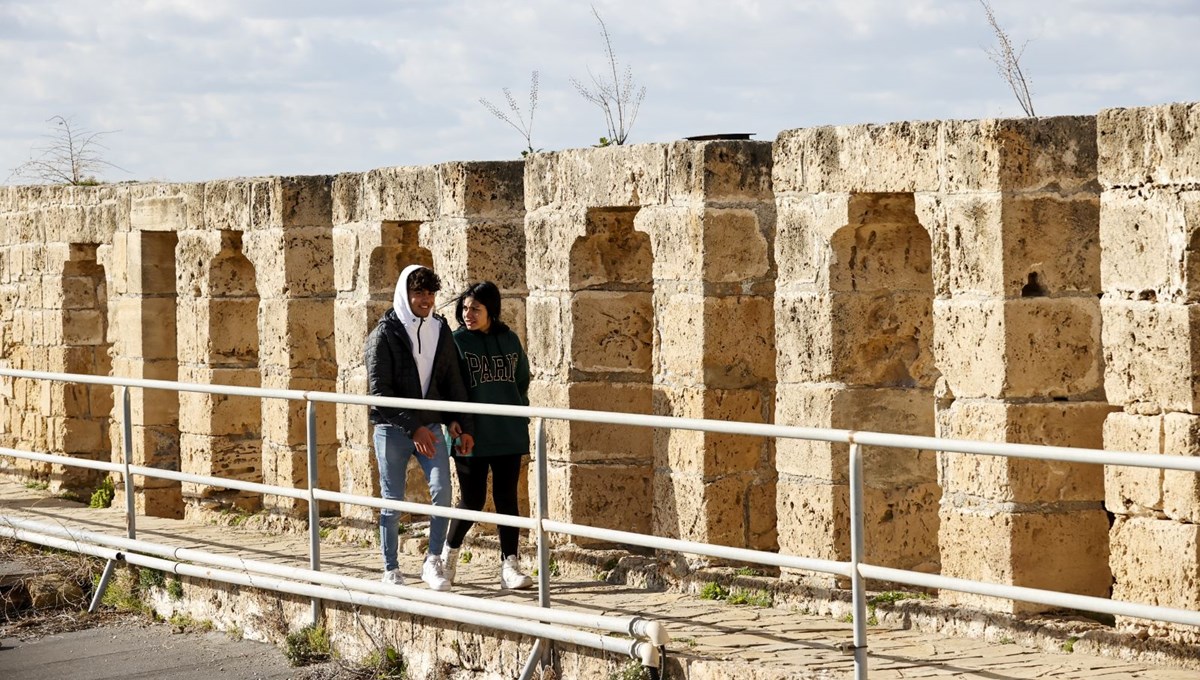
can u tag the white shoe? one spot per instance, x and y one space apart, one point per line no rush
449 563
393 577
511 577
433 574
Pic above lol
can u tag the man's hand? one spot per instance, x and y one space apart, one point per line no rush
468 443
455 429
423 441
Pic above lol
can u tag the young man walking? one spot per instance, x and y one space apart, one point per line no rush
411 354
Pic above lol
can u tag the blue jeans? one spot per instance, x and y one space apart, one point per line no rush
393 448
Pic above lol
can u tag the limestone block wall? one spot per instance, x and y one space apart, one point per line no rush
54 316
466 220
1149 169
941 277
1009 280
650 275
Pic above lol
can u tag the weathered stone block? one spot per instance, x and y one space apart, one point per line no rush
882 339
1151 354
1018 480
605 495
612 333
409 193
688 507
1181 490
298 335
595 442
231 338
739 343
706 454
547 345
1030 347
719 171
805 224
481 189
900 525
158 213
1150 247
803 337
1133 490
227 204
359 475
1149 145
813 521
614 176
902 411
896 157
219 457
83 327
1063 551
549 236
1156 562
1019 154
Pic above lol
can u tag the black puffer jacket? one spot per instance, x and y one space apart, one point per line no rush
392 372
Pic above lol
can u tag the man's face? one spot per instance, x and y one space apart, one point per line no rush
421 302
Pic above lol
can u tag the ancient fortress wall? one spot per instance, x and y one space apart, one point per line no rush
1008 280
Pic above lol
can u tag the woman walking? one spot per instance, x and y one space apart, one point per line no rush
496 371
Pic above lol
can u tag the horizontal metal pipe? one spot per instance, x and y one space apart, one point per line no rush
1059 453
519 521
631 625
631 648
1046 597
61 460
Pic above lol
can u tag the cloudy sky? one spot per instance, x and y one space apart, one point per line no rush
206 89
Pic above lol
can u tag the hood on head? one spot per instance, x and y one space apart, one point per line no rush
400 298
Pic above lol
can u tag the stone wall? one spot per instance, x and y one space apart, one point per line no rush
1149 224
1006 280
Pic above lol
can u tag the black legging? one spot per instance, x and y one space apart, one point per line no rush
472 484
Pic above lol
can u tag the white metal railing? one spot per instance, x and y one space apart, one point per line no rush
651 635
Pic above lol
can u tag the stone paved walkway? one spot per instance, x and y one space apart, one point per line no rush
745 641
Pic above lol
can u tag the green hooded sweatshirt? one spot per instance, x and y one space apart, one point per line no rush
497 372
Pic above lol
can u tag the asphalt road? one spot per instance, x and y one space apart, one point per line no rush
125 651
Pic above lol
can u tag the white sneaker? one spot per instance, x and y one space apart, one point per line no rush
393 577
449 563
511 577
433 574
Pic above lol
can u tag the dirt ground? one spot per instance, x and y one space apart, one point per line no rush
61 629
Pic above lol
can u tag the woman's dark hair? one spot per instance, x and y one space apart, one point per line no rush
487 294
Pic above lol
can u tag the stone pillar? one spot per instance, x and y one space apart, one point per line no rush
854 333
144 335
714 280
1017 339
289 241
75 324
218 345
591 325
650 279
378 218
1150 216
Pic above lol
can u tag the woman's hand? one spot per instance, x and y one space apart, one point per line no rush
466 445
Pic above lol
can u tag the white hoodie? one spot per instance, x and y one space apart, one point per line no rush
423 333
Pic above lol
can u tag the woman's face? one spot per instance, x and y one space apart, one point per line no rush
475 315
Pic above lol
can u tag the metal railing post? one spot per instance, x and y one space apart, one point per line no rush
127 477
314 510
543 548
127 432
857 583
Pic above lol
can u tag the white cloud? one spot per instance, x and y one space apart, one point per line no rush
221 88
